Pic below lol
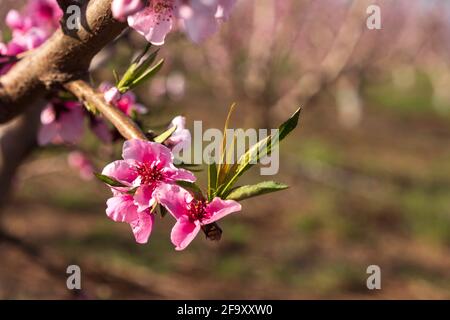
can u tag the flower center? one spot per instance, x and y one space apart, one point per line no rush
197 210
149 173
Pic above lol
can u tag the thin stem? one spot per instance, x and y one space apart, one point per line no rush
88 95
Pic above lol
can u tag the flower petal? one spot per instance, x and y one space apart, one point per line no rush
219 208
144 197
146 151
72 125
47 133
183 232
175 174
174 199
121 209
142 227
121 170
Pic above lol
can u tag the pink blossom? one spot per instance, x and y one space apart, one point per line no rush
200 18
121 208
181 138
147 166
30 28
79 161
121 9
191 213
125 102
62 122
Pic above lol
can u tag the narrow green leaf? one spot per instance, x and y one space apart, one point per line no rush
212 180
258 151
250 191
221 172
136 70
108 180
147 74
165 135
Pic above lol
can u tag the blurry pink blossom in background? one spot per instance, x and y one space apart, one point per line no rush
31 27
62 122
199 18
121 9
79 161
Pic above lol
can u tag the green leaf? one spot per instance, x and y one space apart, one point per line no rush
139 70
147 74
212 179
192 188
108 180
221 166
258 151
165 135
250 191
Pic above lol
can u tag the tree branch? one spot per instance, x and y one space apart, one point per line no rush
60 59
86 94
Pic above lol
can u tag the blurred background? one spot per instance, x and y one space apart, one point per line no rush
368 166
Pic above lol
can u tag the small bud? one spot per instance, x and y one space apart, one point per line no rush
112 95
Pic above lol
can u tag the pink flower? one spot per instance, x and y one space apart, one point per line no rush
191 213
181 138
147 166
121 9
79 161
45 13
121 208
200 18
31 27
62 122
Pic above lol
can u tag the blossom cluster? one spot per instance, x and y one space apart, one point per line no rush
154 19
147 177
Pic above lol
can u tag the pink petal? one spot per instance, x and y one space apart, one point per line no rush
154 26
183 232
174 199
142 227
175 174
121 170
47 133
202 23
72 124
121 9
139 150
144 197
121 209
219 208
